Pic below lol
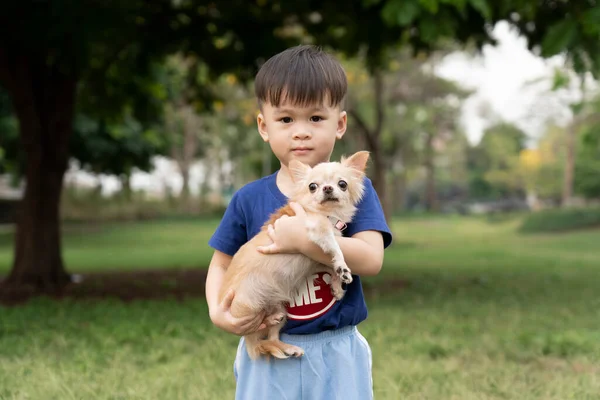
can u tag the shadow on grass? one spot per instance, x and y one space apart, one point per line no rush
431 287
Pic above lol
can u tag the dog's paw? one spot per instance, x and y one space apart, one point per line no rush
274 319
337 291
293 351
344 273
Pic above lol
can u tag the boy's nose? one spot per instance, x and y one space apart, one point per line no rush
302 135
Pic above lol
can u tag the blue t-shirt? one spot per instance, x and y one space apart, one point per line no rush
314 309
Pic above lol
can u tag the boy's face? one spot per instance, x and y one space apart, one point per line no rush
306 134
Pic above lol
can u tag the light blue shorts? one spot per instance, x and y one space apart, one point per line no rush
335 365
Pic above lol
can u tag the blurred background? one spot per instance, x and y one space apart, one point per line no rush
125 128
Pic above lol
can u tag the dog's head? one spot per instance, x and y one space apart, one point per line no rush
332 188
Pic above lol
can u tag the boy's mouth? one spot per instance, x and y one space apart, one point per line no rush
301 150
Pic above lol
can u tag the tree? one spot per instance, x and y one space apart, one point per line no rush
425 25
551 27
541 167
102 53
115 148
587 178
9 159
55 54
183 121
495 161
436 104
406 108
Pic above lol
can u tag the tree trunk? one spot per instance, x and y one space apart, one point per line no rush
185 196
399 191
185 188
379 179
184 125
373 139
125 187
43 99
205 184
431 203
569 173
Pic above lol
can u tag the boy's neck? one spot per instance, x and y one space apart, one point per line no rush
284 181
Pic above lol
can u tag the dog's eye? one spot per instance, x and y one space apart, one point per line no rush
343 185
312 187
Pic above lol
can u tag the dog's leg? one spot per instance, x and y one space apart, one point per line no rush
275 347
336 287
275 318
326 241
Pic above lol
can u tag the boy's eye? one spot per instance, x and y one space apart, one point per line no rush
286 120
343 185
316 118
312 187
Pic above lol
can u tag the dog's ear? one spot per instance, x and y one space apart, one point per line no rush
358 161
298 170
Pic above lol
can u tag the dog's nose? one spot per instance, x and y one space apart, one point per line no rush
327 189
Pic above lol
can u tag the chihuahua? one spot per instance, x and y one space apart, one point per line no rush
329 193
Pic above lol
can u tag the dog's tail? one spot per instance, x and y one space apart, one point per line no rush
253 344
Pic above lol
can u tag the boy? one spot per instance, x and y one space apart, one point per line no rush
300 94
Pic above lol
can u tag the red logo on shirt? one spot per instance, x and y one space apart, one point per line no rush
312 298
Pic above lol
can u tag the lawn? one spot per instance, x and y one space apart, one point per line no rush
484 312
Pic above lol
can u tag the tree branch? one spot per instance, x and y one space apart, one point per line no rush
363 127
379 106
98 74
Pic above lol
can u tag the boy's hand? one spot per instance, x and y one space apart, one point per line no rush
287 233
222 318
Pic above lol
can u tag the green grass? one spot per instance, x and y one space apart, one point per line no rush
561 220
489 313
142 245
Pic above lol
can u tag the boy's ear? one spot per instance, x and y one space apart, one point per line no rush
342 125
262 127
298 170
357 161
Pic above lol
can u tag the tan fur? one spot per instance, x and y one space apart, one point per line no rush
265 282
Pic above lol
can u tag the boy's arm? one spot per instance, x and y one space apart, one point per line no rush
363 252
219 310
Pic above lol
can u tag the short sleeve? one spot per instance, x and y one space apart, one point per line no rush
231 232
369 216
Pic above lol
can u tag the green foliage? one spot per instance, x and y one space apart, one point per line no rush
570 27
560 36
483 7
494 162
115 51
561 220
10 162
402 12
587 166
115 149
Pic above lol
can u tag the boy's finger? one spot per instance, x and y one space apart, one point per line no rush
255 323
271 232
270 249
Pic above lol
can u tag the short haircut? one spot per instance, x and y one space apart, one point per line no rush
303 75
